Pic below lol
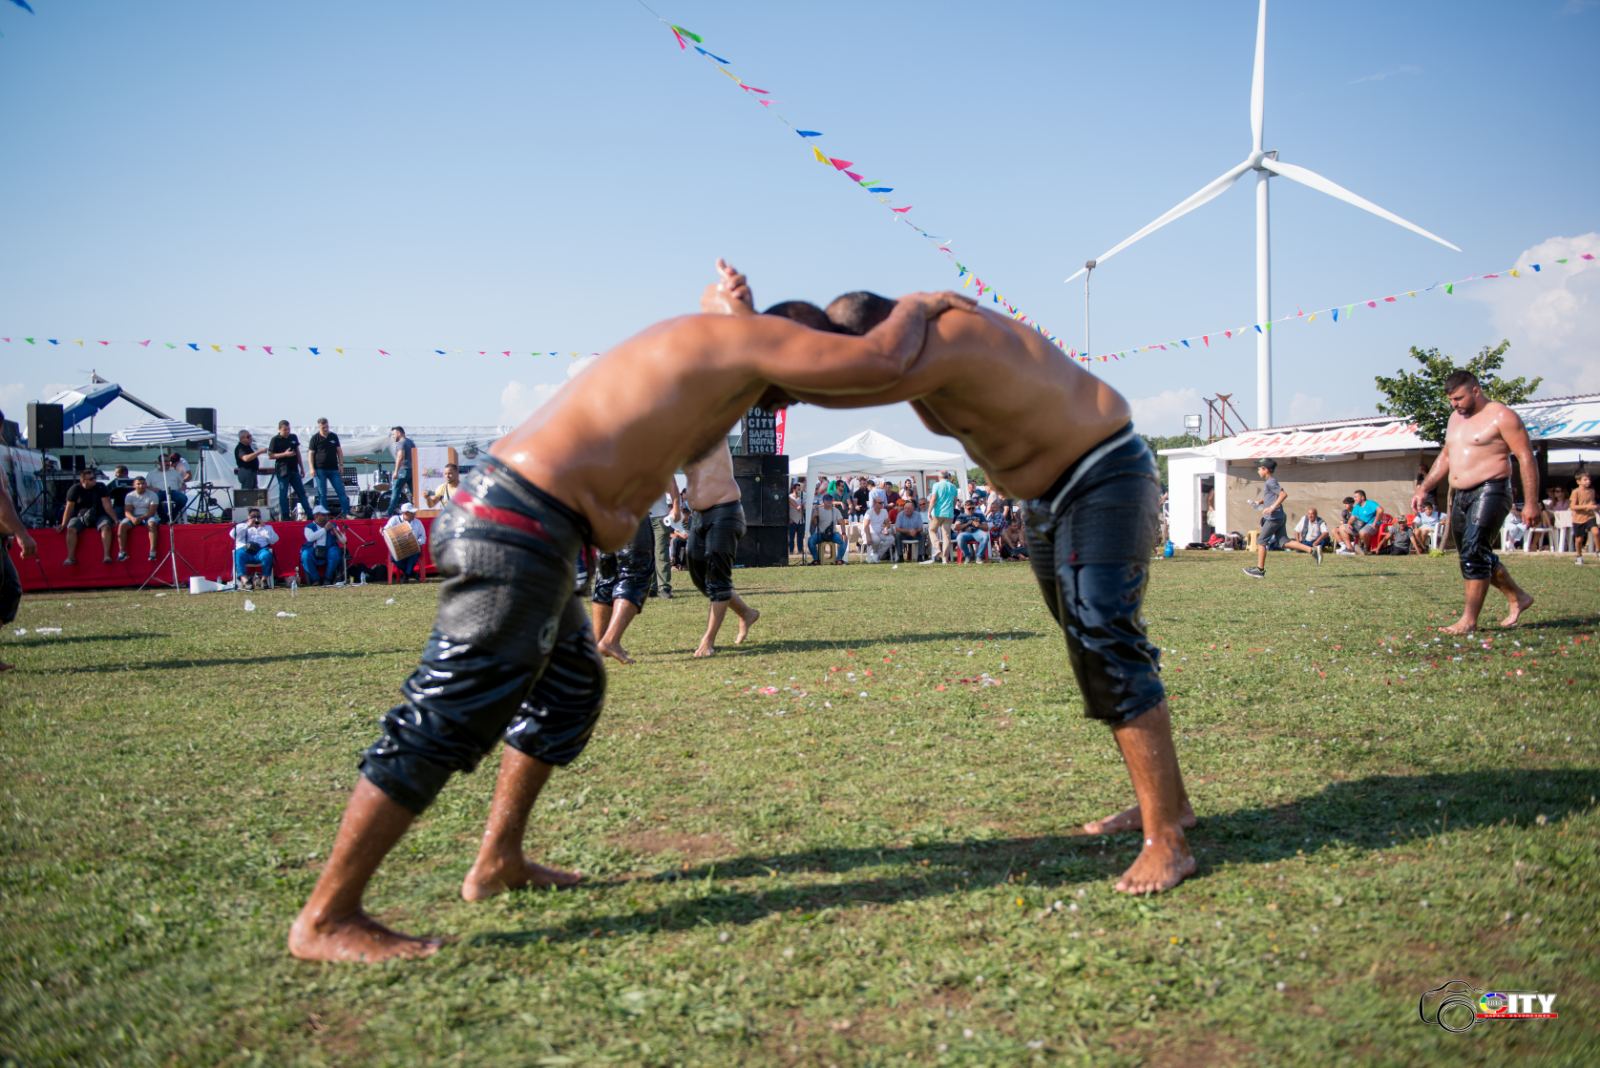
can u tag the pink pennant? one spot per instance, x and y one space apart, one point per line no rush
1207 339
841 164
764 103
752 89
683 46
1587 256
853 176
1372 304
1388 300
506 352
1227 333
145 343
241 348
901 211
381 352
267 349
1491 276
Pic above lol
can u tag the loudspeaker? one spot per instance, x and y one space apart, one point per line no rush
765 546
46 429
249 498
204 418
763 489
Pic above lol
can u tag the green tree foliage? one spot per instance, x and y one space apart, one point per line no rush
1420 397
1172 441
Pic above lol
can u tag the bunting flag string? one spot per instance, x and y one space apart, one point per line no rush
1336 313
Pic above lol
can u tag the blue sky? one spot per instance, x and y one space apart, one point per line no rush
557 176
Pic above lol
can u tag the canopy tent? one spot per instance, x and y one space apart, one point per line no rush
878 455
89 400
162 432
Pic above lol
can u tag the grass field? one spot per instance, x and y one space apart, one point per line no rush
851 842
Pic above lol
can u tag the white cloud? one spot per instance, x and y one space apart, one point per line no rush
518 400
13 398
1552 317
1305 408
1162 414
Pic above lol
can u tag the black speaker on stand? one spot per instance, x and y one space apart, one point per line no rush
764 495
204 418
46 426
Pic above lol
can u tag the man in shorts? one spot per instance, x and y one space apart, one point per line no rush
1479 441
1049 433
1272 534
714 542
511 654
88 507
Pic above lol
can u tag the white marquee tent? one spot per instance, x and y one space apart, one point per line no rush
877 455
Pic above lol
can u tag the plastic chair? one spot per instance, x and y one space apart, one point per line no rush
1561 541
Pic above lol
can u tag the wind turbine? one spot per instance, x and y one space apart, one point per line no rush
1265 164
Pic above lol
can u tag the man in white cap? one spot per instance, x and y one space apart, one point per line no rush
408 517
322 556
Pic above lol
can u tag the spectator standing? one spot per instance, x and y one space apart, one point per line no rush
252 544
826 519
661 515
400 485
797 519
322 555
327 466
140 508
289 467
942 514
88 508
1272 517
407 516
1583 517
247 461
1310 535
860 496
909 527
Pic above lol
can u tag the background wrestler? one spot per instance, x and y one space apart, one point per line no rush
511 652
621 586
1479 441
1036 421
714 539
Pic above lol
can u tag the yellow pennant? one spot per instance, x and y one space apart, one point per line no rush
1514 274
817 152
216 348
338 350
1312 317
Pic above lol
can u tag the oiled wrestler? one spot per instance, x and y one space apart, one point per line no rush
511 654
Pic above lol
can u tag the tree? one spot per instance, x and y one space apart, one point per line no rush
1419 396
1174 441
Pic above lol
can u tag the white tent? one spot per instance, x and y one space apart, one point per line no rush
877 455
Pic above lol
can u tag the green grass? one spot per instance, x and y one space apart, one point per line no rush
861 867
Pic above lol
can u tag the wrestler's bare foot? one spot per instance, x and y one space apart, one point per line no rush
1523 602
614 651
1128 820
706 649
1460 627
745 625
357 937
488 878
1162 864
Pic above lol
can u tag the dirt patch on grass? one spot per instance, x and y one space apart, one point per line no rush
694 847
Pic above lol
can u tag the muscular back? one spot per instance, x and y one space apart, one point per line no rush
1023 410
1477 444
711 479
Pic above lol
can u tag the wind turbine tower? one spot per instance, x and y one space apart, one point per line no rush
1266 165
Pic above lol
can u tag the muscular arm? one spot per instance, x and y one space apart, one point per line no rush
1436 475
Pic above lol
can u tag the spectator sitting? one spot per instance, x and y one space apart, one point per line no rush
826 519
408 517
909 527
878 492
88 507
171 483
996 516
1395 539
322 556
252 544
1013 540
140 508
891 496
1515 532
118 487
1423 524
1358 526
438 498
972 533
1310 535
976 492
908 490
880 539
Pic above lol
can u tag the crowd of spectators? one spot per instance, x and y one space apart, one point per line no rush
877 521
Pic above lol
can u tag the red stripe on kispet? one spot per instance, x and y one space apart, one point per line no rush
506 518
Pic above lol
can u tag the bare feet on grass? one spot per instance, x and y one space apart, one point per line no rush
1461 627
706 649
1128 820
1523 602
357 937
613 650
1162 864
487 879
745 625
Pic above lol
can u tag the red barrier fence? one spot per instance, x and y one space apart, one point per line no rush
204 549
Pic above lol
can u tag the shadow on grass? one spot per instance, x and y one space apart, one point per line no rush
76 639
802 645
220 661
1373 813
1544 623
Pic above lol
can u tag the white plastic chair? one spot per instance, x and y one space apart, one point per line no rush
1561 542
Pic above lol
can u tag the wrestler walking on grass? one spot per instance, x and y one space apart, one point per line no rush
1479 441
512 654
1050 433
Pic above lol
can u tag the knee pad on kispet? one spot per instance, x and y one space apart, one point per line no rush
559 714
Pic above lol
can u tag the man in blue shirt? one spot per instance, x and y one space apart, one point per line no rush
1363 514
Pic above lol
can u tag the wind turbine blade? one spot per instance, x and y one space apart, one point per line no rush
1258 80
1313 180
1206 194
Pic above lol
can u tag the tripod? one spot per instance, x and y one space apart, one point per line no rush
173 555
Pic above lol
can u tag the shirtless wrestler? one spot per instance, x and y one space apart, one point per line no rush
621 583
1479 441
1050 433
511 654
